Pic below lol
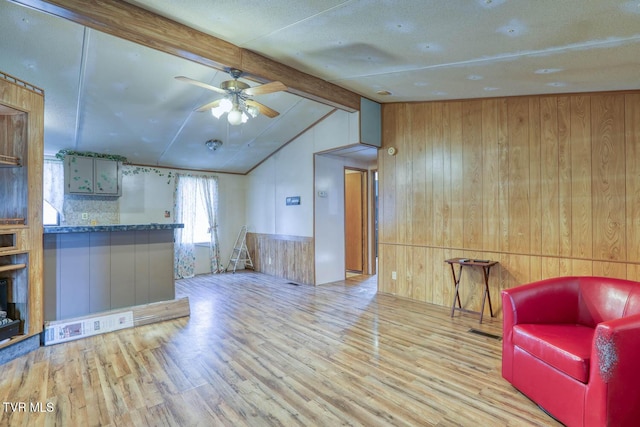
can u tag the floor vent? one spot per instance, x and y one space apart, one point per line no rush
485 334
293 283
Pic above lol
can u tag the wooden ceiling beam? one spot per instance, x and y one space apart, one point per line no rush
129 22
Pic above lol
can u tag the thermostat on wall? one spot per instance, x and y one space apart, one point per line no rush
391 151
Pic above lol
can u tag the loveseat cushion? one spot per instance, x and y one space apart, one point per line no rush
566 347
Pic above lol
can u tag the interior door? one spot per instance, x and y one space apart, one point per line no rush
354 221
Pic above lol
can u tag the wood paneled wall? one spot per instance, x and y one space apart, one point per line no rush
546 185
288 257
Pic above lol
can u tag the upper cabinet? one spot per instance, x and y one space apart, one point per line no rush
370 123
92 176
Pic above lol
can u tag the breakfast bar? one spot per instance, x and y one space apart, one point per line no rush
91 269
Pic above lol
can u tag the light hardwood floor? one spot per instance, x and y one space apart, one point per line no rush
259 351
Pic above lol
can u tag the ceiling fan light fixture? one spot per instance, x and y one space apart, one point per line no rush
238 101
252 111
217 112
234 117
224 106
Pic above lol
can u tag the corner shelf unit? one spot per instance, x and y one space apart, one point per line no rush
21 169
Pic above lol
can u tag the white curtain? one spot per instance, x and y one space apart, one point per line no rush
54 185
208 186
185 213
193 193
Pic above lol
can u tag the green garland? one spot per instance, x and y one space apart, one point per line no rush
129 170
136 170
116 158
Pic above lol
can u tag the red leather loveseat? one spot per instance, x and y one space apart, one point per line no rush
572 345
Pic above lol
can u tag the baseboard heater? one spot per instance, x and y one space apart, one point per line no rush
58 331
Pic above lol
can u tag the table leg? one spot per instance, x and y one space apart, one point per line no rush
456 282
486 294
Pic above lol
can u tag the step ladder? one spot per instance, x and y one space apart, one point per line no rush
240 252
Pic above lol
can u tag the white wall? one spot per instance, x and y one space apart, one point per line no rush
290 173
147 195
329 228
329 215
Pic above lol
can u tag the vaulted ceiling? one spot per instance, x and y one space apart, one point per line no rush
110 95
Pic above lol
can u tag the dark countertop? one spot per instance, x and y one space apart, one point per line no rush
109 227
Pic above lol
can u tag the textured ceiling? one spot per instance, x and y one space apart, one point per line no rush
434 49
107 95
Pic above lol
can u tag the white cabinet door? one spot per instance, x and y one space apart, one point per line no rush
78 174
92 176
106 177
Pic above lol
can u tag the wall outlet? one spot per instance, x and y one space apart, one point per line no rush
394 275
85 215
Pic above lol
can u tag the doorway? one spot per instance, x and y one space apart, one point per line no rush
355 220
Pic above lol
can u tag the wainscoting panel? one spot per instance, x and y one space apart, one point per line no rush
288 257
546 185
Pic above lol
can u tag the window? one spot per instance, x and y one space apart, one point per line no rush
201 229
195 206
53 192
50 215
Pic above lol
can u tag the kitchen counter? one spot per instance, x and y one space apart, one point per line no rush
57 229
92 269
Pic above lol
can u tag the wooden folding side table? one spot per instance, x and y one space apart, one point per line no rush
486 269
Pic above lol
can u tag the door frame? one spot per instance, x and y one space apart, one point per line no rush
364 173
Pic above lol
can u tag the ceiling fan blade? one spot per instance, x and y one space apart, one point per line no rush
209 106
266 88
197 83
271 113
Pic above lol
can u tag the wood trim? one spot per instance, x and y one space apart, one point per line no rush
130 22
143 314
161 311
300 83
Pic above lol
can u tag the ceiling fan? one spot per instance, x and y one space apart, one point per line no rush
238 100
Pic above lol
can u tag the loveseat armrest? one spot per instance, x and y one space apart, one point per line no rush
613 391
